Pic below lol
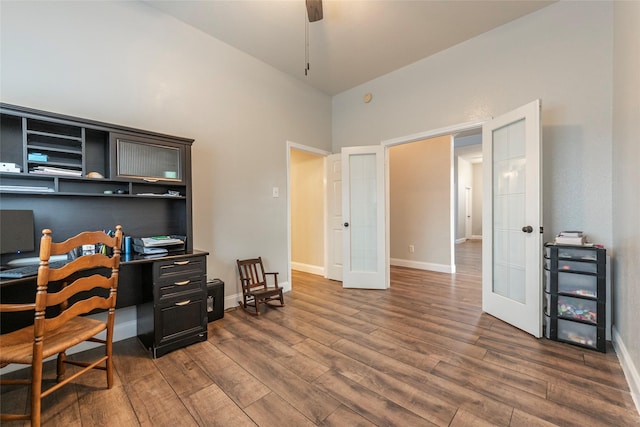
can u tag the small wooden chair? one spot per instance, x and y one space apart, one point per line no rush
255 290
54 332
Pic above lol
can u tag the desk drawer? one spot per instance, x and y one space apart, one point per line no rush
178 269
170 289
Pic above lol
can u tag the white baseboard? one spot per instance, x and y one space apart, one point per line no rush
464 239
441 268
308 268
631 371
125 327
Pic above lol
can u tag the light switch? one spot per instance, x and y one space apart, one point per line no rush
276 192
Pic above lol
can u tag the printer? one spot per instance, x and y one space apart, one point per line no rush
158 245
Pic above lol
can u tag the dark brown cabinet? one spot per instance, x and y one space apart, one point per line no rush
174 313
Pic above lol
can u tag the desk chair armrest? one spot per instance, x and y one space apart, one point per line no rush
8 308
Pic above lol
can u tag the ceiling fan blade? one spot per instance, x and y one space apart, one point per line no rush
314 10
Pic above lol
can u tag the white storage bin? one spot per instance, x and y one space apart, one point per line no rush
576 253
568 266
578 333
578 284
578 308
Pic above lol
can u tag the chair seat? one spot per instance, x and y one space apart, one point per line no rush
264 293
17 346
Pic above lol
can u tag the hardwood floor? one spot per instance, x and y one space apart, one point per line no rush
420 353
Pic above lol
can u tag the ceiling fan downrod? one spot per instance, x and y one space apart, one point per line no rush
314 13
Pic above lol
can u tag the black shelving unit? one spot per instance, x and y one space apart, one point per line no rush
576 295
71 175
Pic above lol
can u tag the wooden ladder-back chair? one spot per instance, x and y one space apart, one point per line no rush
255 290
55 331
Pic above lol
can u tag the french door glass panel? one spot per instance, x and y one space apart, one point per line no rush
509 175
363 203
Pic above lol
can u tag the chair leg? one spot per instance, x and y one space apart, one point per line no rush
109 363
61 367
36 391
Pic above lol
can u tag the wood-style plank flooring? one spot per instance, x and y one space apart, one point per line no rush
421 353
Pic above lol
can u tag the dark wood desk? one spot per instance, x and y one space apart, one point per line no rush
146 283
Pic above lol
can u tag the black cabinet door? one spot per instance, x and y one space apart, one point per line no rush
181 318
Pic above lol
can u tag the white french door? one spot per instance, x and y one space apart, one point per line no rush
511 253
363 216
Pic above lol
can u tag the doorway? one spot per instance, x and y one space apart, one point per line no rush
306 208
469 128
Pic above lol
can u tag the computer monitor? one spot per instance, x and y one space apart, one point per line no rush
17 232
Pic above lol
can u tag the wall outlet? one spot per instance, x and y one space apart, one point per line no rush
276 192
411 249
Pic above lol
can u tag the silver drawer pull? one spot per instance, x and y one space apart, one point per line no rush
181 262
184 282
151 179
184 302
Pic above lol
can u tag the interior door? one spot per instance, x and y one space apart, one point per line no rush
511 256
334 217
363 208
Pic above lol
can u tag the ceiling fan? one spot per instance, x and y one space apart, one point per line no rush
314 10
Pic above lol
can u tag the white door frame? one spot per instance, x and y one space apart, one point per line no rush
295 146
388 143
468 212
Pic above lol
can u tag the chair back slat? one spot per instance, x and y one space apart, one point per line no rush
84 238
78 308
82 263
83 284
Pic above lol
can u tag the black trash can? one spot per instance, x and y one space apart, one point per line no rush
215 299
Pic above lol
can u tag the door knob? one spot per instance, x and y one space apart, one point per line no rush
346 224
527 229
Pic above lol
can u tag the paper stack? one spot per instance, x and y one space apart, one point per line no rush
570 238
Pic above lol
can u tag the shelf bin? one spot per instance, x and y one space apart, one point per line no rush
578 333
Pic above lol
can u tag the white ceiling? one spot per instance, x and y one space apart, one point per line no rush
357 41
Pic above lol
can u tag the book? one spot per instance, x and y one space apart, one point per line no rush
570 233
570 240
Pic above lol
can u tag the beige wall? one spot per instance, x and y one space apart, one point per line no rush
307 211
626 183
420 175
